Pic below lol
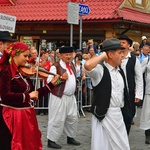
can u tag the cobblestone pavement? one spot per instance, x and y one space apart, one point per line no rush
136 137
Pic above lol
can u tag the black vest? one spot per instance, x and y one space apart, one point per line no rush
102 95
130 72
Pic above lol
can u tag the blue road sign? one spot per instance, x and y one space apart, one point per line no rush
84 9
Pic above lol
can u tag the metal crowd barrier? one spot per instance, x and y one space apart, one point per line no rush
41 103
83 95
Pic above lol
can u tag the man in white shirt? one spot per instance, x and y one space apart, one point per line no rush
134 78
62 110
108 128
5 41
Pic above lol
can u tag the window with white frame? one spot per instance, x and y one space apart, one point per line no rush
139 2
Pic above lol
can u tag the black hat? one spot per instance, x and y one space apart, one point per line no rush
5 36
66 49
111 44
125 37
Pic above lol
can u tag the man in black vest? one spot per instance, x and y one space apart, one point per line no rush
108 128
134 78
5 41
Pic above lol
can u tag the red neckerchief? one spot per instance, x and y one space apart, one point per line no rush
69 68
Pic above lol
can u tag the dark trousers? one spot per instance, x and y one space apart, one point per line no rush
128 119
43 102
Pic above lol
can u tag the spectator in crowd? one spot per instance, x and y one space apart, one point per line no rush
78 65
145 50
79 51
52 56
144 42
92 50
46 64
33 59
89 88
108 128
80 74
137 52
57 55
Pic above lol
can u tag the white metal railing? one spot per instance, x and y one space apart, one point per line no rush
83 95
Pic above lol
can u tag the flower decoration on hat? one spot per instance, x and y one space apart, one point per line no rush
15 49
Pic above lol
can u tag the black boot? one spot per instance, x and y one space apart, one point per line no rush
147 136
52 144
72 141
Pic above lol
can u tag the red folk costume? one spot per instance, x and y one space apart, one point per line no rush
18 124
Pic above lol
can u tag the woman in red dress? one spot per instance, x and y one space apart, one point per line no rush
18 124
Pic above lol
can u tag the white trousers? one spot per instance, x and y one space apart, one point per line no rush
62 117
110 133
145 113
99 139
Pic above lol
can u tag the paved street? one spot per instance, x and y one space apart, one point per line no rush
136 138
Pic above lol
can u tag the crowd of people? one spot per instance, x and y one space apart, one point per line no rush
118 73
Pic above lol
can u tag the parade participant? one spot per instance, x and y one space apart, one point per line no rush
145 113
18 123
62 103
134 79
5 41
108 128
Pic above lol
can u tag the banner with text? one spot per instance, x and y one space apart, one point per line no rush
7 23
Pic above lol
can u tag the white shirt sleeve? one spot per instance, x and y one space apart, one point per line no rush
96 74
52 70
144 64
138 80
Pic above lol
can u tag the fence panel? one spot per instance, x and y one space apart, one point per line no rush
84 96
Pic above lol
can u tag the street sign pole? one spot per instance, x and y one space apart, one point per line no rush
71 35
72 18
84 10
80 38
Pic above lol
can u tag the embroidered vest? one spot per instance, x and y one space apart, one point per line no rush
59 89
